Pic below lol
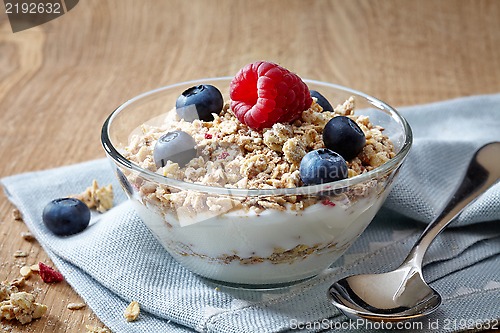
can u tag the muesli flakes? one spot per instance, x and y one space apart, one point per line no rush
231 155
16 214
20 254
22 307
94 329
25 271
75 306
27 236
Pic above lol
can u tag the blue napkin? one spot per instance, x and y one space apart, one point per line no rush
117 259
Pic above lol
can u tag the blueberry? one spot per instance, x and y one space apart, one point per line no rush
66 216
322 166
322 101
343 135
176 146
199 102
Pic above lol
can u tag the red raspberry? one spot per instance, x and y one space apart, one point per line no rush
263 94
48 274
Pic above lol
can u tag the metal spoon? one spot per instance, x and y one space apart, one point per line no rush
403 294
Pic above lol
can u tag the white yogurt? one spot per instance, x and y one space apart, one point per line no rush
203 246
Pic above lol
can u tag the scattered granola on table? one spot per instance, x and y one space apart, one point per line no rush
27 236
16 214
93 329
25 271
20 254
75 306
19 305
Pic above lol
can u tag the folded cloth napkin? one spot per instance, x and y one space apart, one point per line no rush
117 260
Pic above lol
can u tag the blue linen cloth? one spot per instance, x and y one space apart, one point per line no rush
117 259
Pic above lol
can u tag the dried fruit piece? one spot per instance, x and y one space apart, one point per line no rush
48 274
132 311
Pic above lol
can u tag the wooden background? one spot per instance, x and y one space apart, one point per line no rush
60 80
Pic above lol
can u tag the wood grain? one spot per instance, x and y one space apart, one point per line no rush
60 80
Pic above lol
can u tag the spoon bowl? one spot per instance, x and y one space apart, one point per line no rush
402 294
372 296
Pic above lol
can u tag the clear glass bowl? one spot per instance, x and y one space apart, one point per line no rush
241 247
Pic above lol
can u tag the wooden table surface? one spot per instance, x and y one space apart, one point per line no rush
60 80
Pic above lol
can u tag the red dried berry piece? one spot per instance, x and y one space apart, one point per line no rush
223 155
263 94
328 202
48 274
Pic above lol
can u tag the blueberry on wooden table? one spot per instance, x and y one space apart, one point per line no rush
342 135
322 166
66 216
199 102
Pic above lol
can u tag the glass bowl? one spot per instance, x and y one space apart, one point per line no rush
247 247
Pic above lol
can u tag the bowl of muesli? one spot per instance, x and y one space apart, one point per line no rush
256 179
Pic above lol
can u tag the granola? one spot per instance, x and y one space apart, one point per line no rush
22 307
75 306
28 236
16 214
93 329
233 156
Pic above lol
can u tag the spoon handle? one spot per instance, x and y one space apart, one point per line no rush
483 172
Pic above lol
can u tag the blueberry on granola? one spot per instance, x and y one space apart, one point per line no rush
199 102
176 146
322 166
322 101
66 216
342 135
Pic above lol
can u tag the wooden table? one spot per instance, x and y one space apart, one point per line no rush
60 80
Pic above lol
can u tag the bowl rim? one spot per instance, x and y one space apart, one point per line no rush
385 168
